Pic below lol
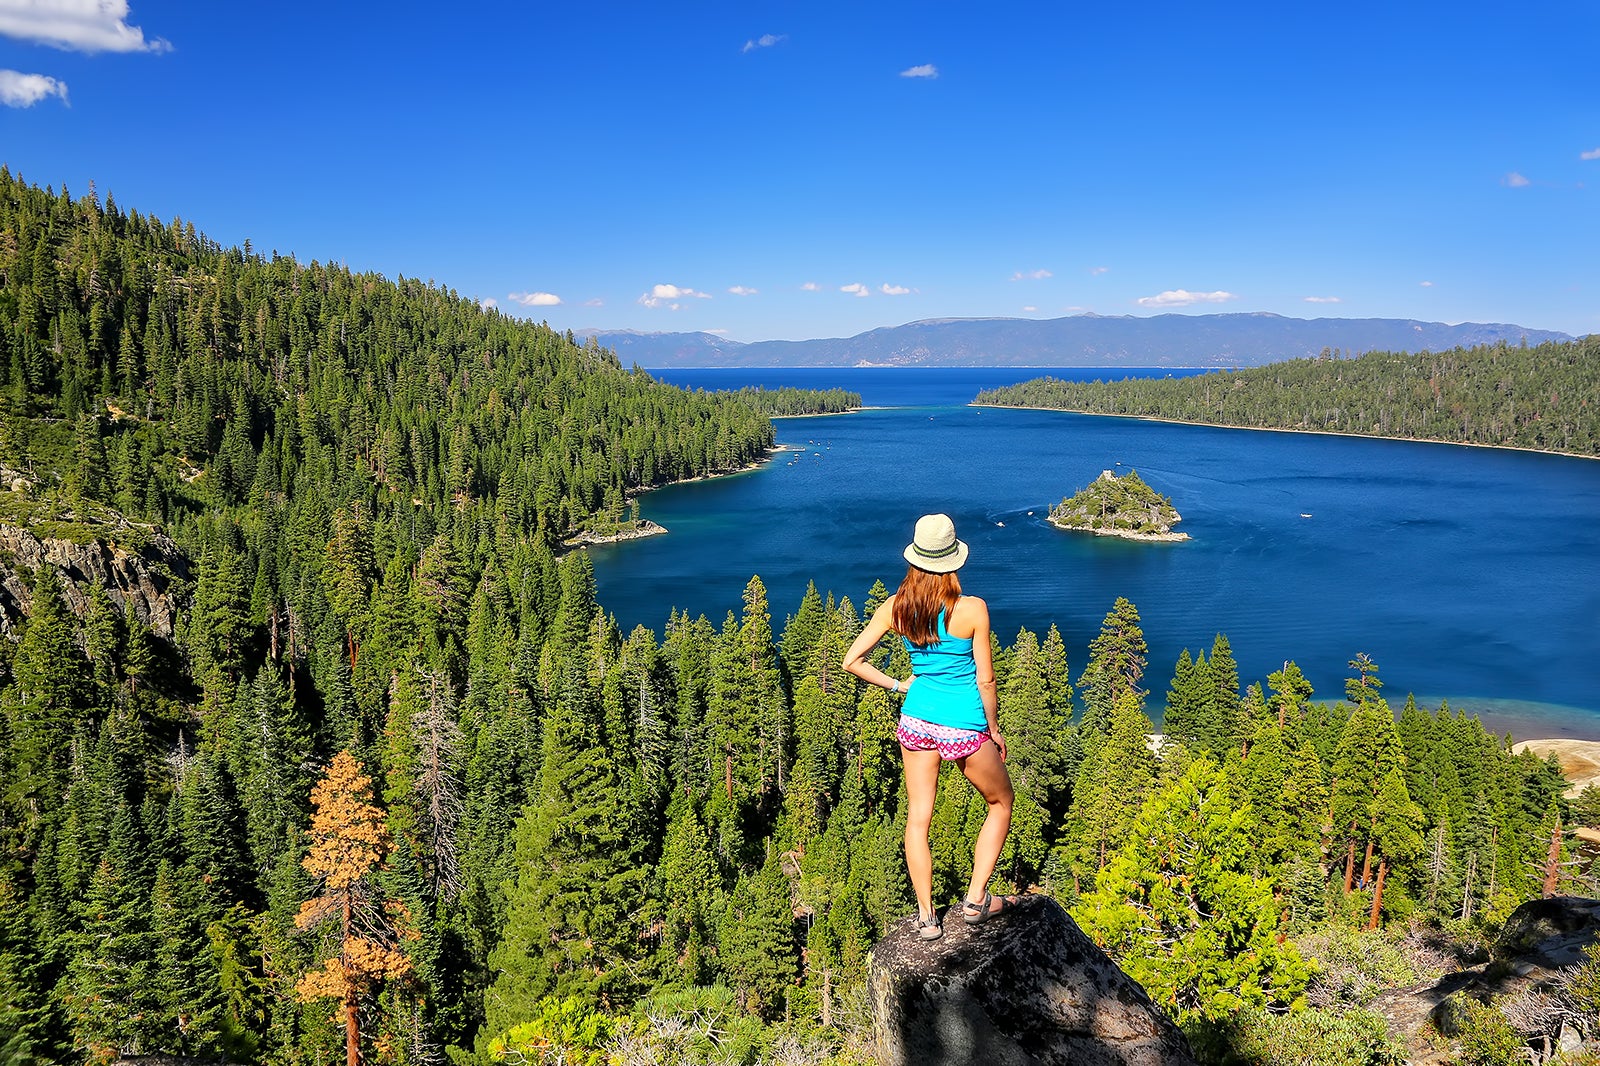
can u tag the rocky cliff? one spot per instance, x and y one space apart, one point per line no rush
143 570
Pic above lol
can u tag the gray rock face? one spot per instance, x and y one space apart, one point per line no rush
1541 942
1026 987
152 578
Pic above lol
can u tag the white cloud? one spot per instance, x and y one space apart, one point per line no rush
925 70
76 25
856 288
534 299
811 286
1591 154
1183 298
893 290
25 90
488 303
1097 271
1029 309
668 296
595 302
1324 300
1426 284
740 290
674 292
1031 275
717 332
1514 180
766 40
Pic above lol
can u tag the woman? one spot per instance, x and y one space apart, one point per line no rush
948 713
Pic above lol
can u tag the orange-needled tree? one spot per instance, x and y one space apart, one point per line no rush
348 843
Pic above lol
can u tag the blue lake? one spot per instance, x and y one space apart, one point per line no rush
1468 574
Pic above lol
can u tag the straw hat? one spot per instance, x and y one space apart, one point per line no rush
934 546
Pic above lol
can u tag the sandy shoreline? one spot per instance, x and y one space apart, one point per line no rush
1579 759
1282 429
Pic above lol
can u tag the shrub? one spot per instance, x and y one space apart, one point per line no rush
1348 1037
1487 1039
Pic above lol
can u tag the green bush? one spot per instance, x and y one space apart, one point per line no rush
1487 1039
1353 967
1348 1037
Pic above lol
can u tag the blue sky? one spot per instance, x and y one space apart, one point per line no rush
785 170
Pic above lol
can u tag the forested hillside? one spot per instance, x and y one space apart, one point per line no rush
1545 397
396 785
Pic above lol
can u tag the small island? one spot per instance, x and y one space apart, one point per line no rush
1114 506
633 529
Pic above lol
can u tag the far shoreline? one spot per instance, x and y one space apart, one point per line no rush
1284 429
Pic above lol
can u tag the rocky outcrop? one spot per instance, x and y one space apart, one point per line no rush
143 571
1026 987
631 531
1525 979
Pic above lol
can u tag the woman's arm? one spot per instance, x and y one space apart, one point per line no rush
855 660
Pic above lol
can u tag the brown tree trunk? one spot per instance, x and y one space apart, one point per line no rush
727 772
352 1033
1350 867
352 1026
1377 894
1552 862
1366 865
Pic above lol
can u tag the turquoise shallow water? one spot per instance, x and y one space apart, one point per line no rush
1468 574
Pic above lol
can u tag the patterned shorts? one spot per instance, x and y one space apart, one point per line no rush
916 735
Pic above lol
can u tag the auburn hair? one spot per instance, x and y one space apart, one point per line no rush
922 595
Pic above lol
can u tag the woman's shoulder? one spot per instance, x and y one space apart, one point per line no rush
970 612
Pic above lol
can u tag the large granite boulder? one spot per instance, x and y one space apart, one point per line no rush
1025 987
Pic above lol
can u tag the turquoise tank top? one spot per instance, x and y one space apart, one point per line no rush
946 688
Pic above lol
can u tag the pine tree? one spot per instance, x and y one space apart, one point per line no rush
349 841
1226 729
109 989
689 883
1115 668
758 944
1112 782
1368 751
1181 721
1043 750
570 920
50 673
1395 833
1182 911
350 574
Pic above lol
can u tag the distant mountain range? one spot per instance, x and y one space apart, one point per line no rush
1081 340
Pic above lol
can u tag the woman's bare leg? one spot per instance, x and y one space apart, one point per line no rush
922 784
987 772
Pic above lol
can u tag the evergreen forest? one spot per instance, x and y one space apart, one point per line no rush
1542 397
387 784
